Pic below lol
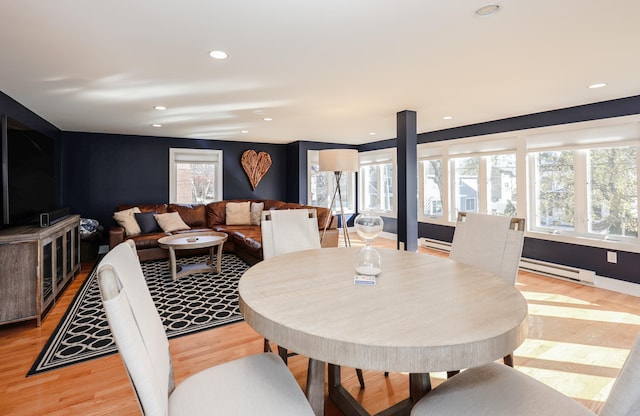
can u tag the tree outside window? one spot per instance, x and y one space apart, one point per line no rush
555 190
613 191
195 176
432 186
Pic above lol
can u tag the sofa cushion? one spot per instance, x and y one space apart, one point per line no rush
170 222
195 216
127 220
147 222
256 212
238 213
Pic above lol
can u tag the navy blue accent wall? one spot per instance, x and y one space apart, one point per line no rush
105 170
296 174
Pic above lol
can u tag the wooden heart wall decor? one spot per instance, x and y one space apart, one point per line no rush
255 165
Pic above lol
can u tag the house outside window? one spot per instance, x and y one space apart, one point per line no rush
195 176
432 187
466 171
502 186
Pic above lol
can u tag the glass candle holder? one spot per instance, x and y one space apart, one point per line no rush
368 261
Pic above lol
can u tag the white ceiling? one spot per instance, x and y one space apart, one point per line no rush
324 70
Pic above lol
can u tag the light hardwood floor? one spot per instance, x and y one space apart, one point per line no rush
578 339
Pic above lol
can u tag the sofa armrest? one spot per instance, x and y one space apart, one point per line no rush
116 236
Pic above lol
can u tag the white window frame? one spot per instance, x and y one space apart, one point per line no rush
183 155
379 157
581 192
612 132
313 160
483 147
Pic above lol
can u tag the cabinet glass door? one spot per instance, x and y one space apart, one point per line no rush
76 233
47 272
69 252
59 259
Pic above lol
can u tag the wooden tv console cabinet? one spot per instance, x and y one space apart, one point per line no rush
35 266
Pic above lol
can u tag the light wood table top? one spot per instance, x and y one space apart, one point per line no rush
424 314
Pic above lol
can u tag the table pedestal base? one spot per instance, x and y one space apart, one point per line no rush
419 385
214 264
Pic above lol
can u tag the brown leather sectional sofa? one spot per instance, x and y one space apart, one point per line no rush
244 240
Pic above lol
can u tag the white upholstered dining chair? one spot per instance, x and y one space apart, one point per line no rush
491 242
287 231
495 389
257 384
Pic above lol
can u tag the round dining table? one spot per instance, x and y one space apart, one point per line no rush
423 314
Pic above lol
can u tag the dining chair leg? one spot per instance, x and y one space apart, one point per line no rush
360 377
283 353
267 346
508 360
386 374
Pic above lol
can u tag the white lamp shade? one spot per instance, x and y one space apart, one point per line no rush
338 160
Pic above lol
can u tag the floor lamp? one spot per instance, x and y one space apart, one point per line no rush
338 161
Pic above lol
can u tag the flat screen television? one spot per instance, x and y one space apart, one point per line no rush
28 173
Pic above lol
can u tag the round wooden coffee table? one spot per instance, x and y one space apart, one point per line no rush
192 241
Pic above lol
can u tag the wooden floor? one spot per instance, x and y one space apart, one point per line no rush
578 339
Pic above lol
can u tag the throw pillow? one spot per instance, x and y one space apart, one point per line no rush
147 222
238 213
126 220
171 221
256 212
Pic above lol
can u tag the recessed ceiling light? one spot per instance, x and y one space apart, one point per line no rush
156 125
373 133
599 85
244 131
218 55
160 107
488 9
267 119
447 117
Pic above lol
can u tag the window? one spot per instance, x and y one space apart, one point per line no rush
322 186
502 195
613 191
466 171
432 187
469 175
554 189
570 182
377 182
195 176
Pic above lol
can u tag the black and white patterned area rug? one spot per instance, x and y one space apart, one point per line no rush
190 304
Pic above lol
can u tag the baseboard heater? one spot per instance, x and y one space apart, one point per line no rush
559 271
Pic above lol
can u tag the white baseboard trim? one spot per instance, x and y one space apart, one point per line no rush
616 285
